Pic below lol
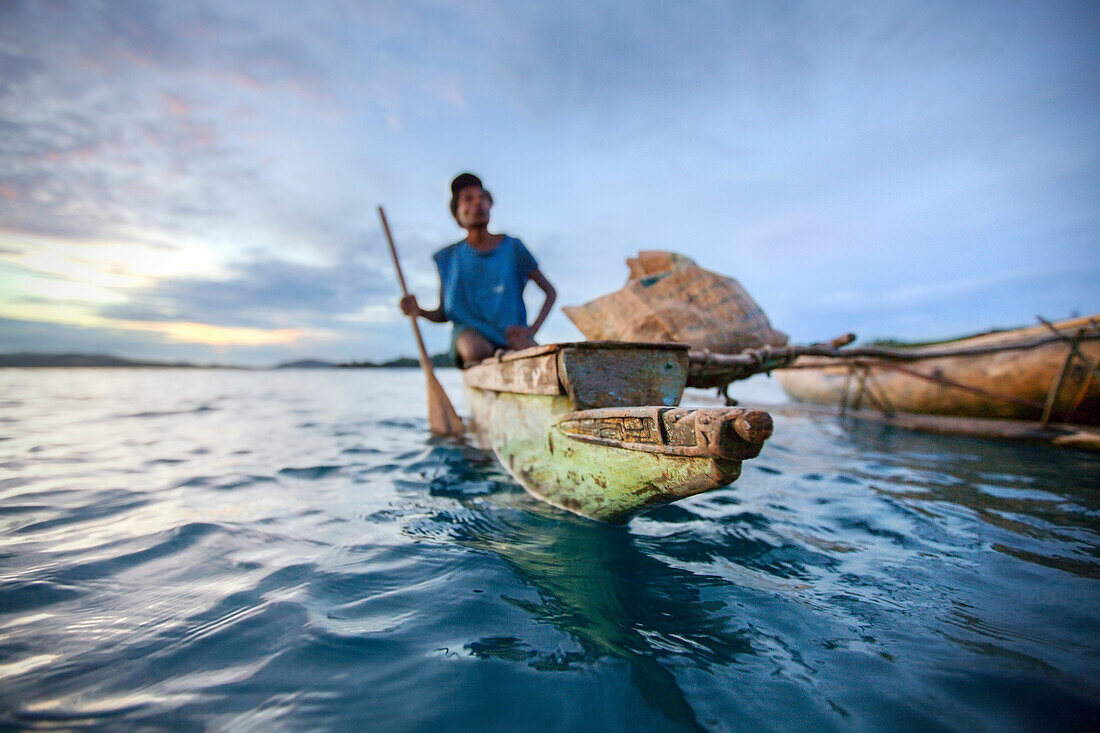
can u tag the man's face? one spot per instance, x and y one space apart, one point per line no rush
472 207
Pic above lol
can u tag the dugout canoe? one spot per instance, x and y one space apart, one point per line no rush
595 427
1045 373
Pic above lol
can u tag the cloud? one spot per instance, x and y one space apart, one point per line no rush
262 293
602 53
919 308
378 343
800 145
17 70
107 124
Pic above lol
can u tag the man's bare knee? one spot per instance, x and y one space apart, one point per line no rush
472 347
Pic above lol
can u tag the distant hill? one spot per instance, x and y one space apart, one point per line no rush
307 364
438 360
28 359
32 359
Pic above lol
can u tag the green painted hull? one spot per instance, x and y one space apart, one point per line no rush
597 481
594 428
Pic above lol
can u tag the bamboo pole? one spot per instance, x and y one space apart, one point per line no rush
753 357
1056 386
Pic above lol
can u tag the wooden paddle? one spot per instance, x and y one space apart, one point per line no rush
442 418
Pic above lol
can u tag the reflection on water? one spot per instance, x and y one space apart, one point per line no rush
876 544
614 600
232 550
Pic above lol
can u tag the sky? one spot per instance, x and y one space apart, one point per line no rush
192 180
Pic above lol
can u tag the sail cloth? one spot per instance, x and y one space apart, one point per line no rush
670 298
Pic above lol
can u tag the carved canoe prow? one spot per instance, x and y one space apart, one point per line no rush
729 433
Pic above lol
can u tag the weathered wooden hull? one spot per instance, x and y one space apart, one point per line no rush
1011 384
593 428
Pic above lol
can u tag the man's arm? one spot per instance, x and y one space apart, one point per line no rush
551 295
410 307
521 337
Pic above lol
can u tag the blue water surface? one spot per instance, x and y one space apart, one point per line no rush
289 550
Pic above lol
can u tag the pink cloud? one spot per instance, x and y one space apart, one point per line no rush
176 105
246 81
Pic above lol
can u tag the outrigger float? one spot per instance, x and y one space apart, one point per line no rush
1036 383
594 427
1046 373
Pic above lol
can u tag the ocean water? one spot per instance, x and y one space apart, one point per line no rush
289 550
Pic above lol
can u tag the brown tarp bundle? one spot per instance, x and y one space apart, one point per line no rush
670 298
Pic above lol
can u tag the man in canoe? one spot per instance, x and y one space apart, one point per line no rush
481 282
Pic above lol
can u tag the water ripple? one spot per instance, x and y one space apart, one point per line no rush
236 550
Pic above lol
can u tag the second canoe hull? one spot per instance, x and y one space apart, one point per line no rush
1011 384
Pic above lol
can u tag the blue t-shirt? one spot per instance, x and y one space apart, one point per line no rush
484 290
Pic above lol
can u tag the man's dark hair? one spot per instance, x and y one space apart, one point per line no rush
461 181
